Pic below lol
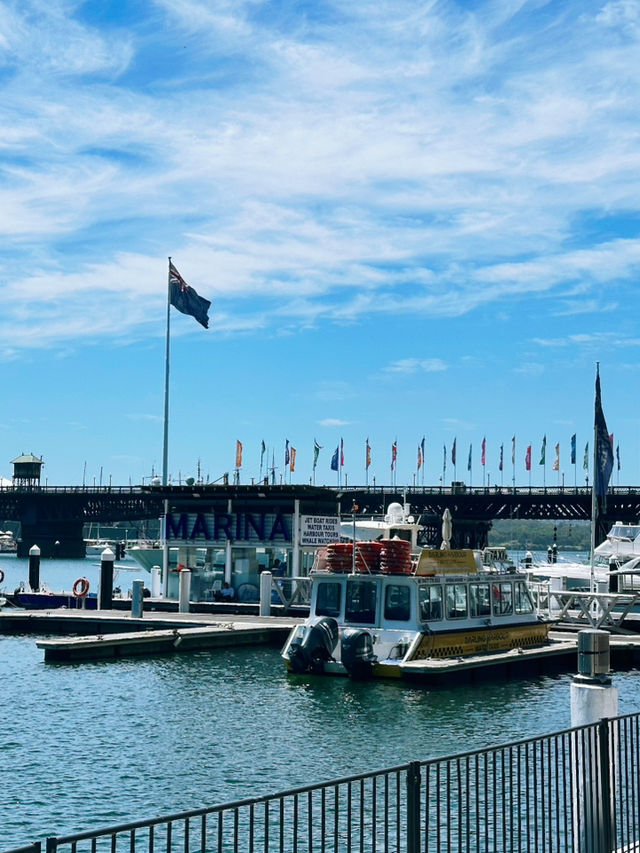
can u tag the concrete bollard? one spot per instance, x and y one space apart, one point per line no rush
34 568
265 593
185 591
156 582
593 698
137 596
105 595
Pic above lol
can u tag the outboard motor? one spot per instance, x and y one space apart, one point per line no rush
357 652
309 653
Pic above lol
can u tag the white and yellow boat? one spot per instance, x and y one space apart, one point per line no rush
393 617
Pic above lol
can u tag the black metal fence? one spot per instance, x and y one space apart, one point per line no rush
575 790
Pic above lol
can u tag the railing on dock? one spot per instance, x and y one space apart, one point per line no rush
28 848
601 610
574 790
291 591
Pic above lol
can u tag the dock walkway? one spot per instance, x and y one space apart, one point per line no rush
103 634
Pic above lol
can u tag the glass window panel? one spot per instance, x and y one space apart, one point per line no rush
430 601
397 602
479 599
456 600
502 595
360 605
328 599
523 602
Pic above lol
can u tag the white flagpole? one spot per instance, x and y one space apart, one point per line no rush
165 445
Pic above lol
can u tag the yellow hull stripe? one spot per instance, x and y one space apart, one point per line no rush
472 642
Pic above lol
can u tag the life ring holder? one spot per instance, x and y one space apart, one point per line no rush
1 576
80 587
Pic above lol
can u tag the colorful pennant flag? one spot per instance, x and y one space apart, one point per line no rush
585 461
292 460
543 451
483 452
316 452
238 454
394 454
527 458
469 459
367 455
500 463
453 451
573 449
556 461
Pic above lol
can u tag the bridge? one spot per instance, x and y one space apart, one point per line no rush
53 517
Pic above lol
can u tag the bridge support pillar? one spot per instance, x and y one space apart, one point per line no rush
55 538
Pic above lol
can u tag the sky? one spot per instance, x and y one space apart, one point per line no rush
413 220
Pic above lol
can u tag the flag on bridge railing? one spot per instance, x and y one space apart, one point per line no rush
543 452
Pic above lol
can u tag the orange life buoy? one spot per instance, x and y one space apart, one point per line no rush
1 575
81 587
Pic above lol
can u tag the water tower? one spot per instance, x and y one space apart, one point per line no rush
26 470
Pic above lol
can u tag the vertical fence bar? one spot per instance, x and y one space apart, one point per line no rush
604 728
413 807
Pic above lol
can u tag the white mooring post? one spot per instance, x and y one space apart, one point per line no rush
593 698
265 593
156 584
185 591
137 595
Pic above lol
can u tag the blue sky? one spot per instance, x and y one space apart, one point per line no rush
412 218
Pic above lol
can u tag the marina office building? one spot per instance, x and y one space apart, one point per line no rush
240 532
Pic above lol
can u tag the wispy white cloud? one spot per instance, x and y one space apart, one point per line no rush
416 365
384 159
333 422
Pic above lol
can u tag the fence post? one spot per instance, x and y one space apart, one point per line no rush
413 807
608 805
52 845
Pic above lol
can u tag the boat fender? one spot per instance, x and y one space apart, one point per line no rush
80 587
1 575
356 652
315 646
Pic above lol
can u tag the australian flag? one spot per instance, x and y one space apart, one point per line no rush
604 450
185 299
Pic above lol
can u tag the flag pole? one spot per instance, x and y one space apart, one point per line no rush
594 499
165 444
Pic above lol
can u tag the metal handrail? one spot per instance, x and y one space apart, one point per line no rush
573 789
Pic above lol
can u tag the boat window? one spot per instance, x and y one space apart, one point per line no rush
328 599
502 598
361 602
523 602
456 597
396 602
430 600
479 599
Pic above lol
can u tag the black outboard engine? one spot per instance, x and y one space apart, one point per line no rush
309 653
357 652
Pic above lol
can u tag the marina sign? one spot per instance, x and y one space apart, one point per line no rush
237 527
319 529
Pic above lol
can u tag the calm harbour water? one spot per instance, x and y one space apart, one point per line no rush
92 744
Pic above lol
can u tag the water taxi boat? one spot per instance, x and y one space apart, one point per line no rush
377 613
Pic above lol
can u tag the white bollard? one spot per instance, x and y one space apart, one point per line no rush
156 584
185 591
265 593
593 698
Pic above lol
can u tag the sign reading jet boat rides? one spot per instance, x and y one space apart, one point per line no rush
319 529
